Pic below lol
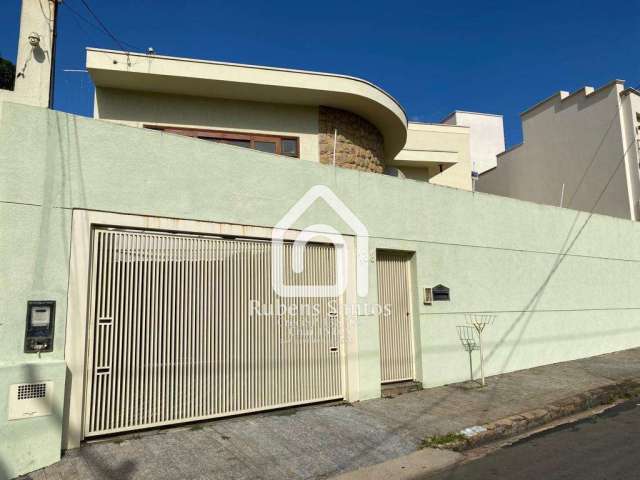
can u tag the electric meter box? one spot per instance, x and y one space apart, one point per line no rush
38 336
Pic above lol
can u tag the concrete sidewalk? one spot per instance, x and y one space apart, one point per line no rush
323 441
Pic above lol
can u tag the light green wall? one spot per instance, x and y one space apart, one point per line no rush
34 248
34 257
496 254
30 444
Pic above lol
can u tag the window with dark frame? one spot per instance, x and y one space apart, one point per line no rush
287 146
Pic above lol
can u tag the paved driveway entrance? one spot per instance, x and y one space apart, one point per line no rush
321 441
311 442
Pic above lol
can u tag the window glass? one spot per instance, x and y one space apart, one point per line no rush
263 143
238 143
289 146
269 147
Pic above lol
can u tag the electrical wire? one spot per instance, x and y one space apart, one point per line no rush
77 16
44 14
615 171
103 27
53 47
121 44
80 16
595 154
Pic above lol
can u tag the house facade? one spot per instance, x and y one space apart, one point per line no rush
137 237
325 118
137 276
580 150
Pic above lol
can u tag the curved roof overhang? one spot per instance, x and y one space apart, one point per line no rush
182 76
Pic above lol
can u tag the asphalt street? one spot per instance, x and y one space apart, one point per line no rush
603 447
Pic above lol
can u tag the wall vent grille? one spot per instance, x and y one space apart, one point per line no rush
28 400
33 390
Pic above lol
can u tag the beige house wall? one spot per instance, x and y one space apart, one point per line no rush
372 129
187 77
572 139
431 145
630 126
428 145
136 108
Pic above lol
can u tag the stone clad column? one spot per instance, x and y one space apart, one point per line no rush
359 146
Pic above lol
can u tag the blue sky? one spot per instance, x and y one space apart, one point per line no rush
433 57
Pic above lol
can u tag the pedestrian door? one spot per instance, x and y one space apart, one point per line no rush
185 327
395 320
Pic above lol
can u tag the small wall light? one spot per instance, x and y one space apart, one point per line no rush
34 39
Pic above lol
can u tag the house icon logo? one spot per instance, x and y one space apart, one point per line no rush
319 230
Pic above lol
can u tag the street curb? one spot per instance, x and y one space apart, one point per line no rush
519 423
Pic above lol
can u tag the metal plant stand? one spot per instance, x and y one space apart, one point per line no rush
468 339
480 321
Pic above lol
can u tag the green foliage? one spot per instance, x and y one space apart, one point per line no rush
7 74
444 441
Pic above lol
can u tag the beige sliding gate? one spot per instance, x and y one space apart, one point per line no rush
188 327
396 329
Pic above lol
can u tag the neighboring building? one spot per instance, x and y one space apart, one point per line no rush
486 137
296 113
579 148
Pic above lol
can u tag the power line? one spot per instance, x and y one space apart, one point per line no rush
595 155
102 25
622 159
104 28
78 15
54 43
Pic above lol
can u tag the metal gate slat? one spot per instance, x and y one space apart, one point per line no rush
396 329
171 328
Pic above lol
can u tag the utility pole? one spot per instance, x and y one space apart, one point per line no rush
36 53
54 41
